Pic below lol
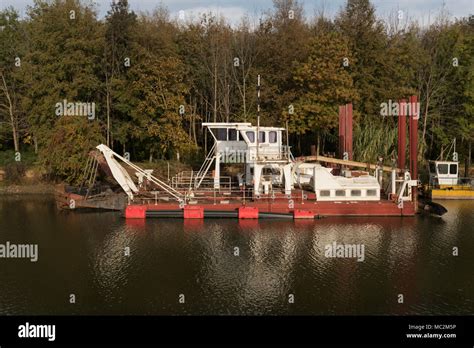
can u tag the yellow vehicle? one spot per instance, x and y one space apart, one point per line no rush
445 182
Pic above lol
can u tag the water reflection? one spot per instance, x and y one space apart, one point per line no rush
236 267
111 263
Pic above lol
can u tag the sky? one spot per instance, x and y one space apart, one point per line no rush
422 10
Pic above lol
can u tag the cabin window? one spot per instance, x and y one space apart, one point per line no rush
371 193
272 137
251 136
232 134
340 193
325 193
442 168
220 133
261 137
355 193
453 169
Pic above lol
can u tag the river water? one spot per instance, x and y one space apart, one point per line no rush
226 266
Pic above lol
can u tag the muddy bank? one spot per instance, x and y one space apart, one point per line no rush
38 188
31 182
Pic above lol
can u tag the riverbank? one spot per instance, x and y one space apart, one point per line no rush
26 189
32 178
30 181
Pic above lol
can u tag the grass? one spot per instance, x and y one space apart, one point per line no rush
28 158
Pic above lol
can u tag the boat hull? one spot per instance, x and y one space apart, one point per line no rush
73 201
451 194
306 210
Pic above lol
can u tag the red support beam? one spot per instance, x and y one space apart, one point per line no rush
342 130
345 130
402 135
410 138
348 129
414 115
413 136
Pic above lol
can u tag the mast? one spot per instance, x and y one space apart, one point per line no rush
287 141
258 113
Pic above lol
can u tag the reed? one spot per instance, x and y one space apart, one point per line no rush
375 140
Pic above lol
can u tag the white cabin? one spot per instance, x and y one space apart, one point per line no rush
329 187
444 172
240 139
267 161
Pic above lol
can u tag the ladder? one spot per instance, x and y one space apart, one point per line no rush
206 165
90 174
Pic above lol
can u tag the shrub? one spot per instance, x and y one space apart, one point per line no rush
14 172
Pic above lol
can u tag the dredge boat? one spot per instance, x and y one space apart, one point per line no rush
262 179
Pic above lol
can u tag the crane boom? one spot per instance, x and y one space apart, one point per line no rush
345 162
125 181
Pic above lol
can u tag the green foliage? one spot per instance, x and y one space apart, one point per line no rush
325 83
14 172
373 142
117 58
158 92
61 62
368 43
66 150
283 45
176 66
27 156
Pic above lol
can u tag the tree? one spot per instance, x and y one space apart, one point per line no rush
282 41
117 59
61 64
367 42
324 83
246 51
157 91
11 52
465 121
68 147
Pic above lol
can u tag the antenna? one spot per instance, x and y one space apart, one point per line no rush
258 113
287 140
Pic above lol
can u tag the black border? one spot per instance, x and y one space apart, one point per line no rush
224 330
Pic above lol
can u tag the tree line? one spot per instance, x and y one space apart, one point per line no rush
153 79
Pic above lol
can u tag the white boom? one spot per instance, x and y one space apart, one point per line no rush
125 181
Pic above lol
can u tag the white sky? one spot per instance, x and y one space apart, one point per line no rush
421 10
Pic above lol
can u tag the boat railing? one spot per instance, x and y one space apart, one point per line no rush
186 180
234 196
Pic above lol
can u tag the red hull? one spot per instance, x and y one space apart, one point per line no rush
300 210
